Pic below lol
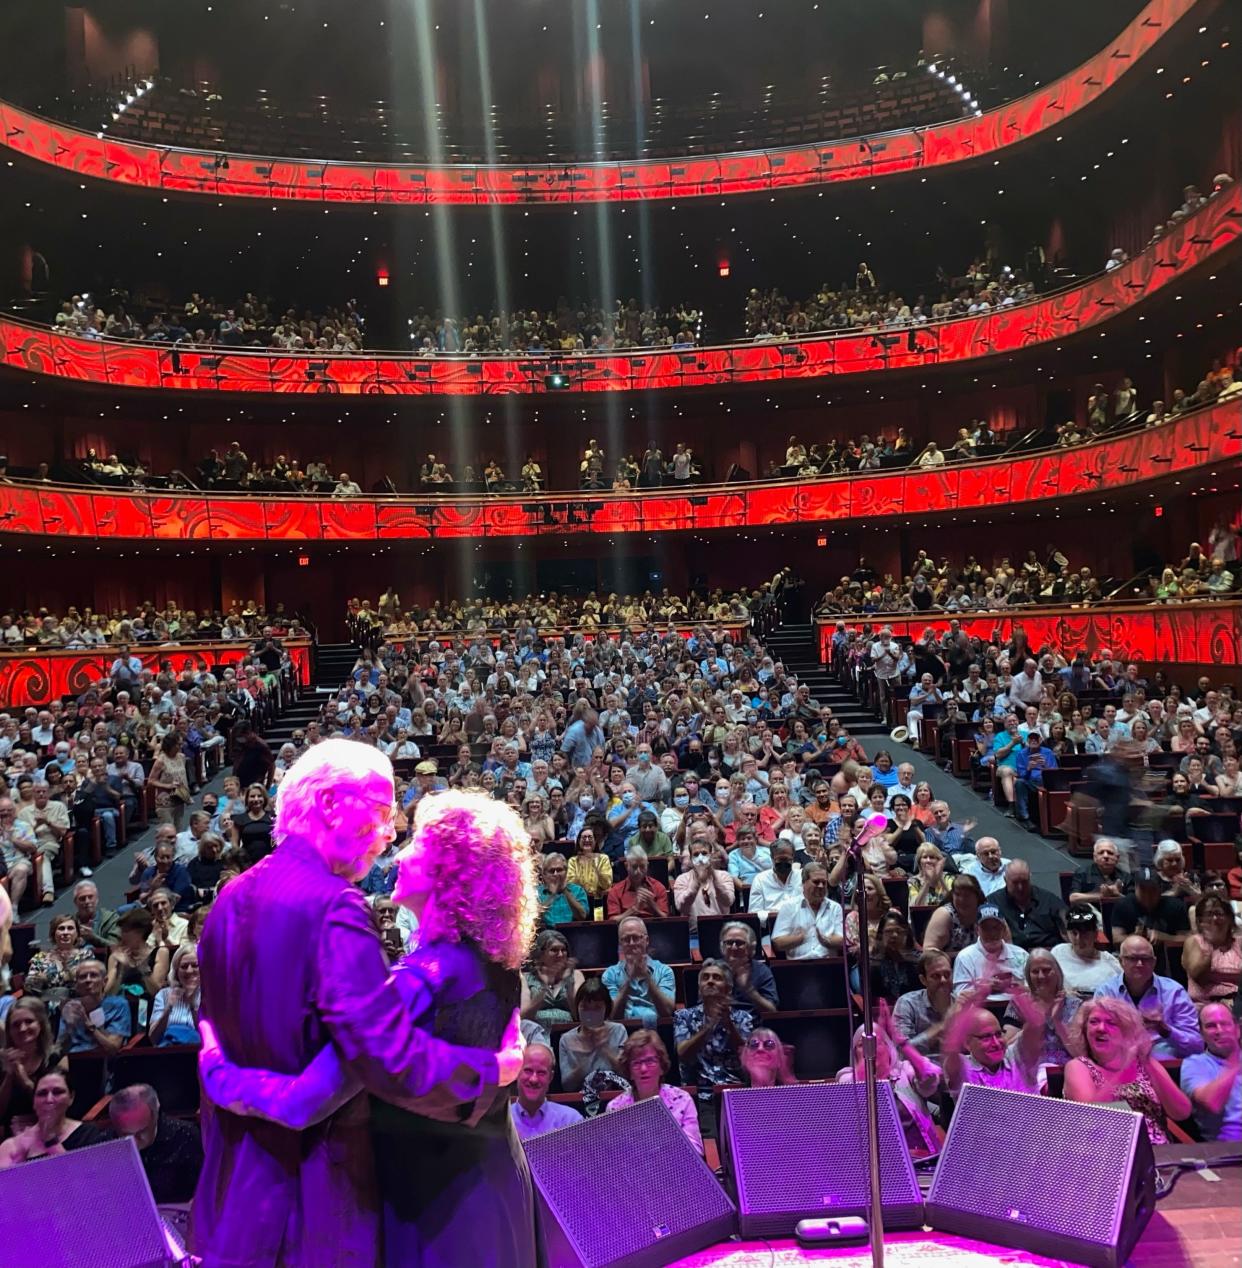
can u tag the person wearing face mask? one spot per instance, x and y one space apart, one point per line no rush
782 882
595 1043
706 889
649 781
671 817
622 815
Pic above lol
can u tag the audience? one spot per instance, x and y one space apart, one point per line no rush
644 1062
1210 1078
532 1113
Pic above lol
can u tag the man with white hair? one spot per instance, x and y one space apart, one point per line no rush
291 962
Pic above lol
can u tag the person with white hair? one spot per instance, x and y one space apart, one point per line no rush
293 972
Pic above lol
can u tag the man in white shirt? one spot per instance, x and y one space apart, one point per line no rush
885 656
987 865
187 841
991 961
1027 687
809 928
777 885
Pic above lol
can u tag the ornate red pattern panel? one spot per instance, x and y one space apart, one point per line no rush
1212 235
39 677
1193 442
247 176
1194 633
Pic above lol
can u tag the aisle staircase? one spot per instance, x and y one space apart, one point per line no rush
333 661
797 647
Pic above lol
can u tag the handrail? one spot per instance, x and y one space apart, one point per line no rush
221 174
1189 442
1204 632
1213 229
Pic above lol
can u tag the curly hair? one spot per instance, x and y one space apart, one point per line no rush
1135 1035
477 856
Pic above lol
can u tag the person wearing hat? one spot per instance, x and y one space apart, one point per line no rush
1150 913
1084 966
992 960
425 781
1030 762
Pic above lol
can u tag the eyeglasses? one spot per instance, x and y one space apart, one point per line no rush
733 942
1138 959
762 1045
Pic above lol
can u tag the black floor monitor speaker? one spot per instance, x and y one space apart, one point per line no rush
1036 1173
89 1207
800 1152
671 1204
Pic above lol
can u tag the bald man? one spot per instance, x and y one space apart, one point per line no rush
1170 1017
532 1113
1211 1079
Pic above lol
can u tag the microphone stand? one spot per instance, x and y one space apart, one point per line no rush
875 1214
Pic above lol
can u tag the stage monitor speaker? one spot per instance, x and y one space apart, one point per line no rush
89 1207
1036 1173
800 1152
671 1204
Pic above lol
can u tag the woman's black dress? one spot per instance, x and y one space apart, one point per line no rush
456 1193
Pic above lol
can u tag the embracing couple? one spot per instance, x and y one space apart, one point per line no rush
354 1114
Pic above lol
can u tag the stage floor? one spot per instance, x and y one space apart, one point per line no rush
1199 1225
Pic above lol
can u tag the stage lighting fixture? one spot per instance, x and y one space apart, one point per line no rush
556 382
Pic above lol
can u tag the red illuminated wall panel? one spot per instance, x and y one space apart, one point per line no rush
1209 237
857 158
40 677
1193 442
1193 633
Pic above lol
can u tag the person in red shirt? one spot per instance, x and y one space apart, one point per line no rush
639 894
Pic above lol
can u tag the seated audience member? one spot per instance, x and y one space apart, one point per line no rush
93 1021
644 1062
748 858
1047 988
531 1111
654 840
1115 1062
1035 916
754 987
1212 955
639 893
17 850
52 969
920 1015
986 865
1210 1078
49 821
170 1149
928 886
894 961
1084 966
766 1062
560 901
1166 1010
810 927
705 888
27 1055
771 889
134 961
949 837
974 1050
552 981
1103 877
1170 862
589 869
174 1014
641 987
912 1076
53 1132
993 961
1150 913
710 1034
207 866
1030 762
167 928
955 925
162 871
96 925
595 1043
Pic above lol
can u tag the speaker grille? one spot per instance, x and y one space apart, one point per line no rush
667 1190
1038 1172
818 1132
103 1214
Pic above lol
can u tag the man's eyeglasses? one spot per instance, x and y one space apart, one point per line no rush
761 1044
1138 959
733 942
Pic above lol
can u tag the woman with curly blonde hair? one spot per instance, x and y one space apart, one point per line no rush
454 1191
1114 1063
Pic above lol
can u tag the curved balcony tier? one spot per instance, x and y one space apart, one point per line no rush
220 174
1190 442
1201 239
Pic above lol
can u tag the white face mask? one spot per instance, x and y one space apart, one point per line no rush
701 860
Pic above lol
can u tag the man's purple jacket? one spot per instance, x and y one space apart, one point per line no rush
290 961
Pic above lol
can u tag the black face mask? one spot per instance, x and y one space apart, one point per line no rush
782 867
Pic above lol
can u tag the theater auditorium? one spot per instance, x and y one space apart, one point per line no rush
620 633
